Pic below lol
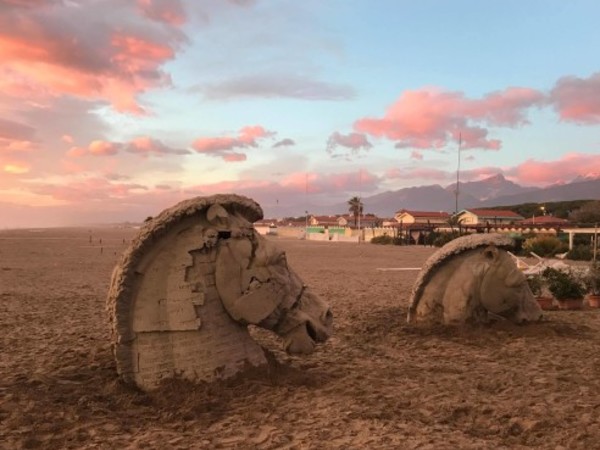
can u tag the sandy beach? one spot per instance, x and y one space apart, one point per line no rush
377 384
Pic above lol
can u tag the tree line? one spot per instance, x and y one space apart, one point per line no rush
577 211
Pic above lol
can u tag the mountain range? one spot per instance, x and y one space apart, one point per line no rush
492 191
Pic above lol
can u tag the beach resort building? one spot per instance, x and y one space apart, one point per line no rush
487 217
544 221
407 217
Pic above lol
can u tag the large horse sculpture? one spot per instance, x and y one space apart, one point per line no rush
189 285
472 279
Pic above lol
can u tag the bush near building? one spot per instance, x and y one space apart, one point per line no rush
544 246
580 253
386 240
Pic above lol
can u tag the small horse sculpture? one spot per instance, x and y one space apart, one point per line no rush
189 285
472 279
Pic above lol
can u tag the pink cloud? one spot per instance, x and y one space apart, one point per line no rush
16 168
146 146
432 118
243 186
223 147
71 167
480 173
234 157
441 176
103 148
416 154
142 146
295 186
352 141
413 173
566 168
29 4
505 108
11 130
17 146
300 181
530 172
88 189
250 134
77 152
167 11
322 183
577 99
46 52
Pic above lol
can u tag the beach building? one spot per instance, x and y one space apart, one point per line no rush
487 217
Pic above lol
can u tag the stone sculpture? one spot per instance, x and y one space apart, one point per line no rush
184 292
472 279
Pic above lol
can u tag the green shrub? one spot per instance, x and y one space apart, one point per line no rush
518 240
592 278
443 238
564 285
544 245
536 283
431 237
383 240
580 253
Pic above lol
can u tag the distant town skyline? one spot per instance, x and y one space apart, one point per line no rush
112 110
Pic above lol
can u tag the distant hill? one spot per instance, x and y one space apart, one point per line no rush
431 198
557 209
578 190
489 189
492 191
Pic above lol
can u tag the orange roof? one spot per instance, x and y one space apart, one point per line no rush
541 220
327 218
425 213
494 213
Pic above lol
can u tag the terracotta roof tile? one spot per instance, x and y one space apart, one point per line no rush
494 213
425 213
539 220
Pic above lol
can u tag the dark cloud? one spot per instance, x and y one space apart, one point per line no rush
352 141
287 142
273 86
15 131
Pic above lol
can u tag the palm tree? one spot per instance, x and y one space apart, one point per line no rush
356 208
454 221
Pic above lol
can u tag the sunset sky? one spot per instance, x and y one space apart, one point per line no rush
112 110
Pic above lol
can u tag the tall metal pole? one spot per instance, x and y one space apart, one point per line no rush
457 174
359 195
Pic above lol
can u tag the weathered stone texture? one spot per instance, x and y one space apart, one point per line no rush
166 306
472 279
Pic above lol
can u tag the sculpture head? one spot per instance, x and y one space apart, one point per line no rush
257 286
504 290
473 278
184 292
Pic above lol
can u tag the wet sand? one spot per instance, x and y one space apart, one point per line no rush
377 384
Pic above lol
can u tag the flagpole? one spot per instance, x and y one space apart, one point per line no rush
457 174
